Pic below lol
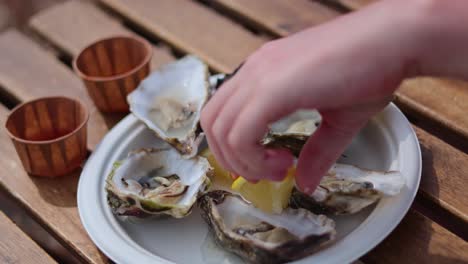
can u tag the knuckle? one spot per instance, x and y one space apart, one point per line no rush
234 140
217 132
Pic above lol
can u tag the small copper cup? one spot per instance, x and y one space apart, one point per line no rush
49 135
111 68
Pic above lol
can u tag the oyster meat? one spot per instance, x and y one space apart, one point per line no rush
156 181
259 237
169 102
347 189
292 131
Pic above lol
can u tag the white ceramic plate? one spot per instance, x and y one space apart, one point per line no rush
387 142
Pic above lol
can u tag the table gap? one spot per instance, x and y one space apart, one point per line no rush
42 41
67 59
434 211
8 99
435 128
142 32
246 23
138 30
16 212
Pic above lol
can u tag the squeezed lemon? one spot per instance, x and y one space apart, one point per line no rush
268 196
221 176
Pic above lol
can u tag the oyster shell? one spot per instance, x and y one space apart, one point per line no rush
156 181
347 189
259 237
292 131
169 102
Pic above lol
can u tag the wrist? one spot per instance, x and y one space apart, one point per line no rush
437 37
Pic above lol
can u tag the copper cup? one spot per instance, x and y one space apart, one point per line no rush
111 68
49 135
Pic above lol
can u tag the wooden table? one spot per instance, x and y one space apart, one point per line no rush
223 33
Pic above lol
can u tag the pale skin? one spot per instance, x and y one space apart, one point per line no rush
348 69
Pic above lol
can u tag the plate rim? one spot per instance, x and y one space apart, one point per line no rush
113 252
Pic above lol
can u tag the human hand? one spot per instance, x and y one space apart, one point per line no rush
348 69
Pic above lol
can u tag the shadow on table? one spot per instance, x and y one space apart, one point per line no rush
58 191
34 230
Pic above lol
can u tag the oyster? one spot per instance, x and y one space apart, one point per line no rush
170 100
260 237
156 181
347 189
293 131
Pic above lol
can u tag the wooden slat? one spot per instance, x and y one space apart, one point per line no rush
278 16
73 25
51 200
444 174
28 72
419 240
442 100
17 247
192 28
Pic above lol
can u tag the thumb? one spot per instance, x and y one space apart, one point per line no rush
325 146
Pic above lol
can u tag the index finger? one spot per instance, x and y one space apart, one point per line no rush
248 130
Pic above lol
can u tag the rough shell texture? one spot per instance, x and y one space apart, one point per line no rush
170 100
292 131
156 181
347 189
264 238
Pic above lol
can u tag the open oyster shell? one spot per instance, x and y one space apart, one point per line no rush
347 189
259 237
169 102
156 181
292 131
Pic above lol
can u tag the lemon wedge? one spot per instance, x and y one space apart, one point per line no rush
221 177
268 196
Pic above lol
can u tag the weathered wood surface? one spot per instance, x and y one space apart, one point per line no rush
444 174
28 72
419 240
279 17
17 247
52 201
442 100
73 25
192 28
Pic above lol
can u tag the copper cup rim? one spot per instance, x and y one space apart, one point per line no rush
50 141
145 60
